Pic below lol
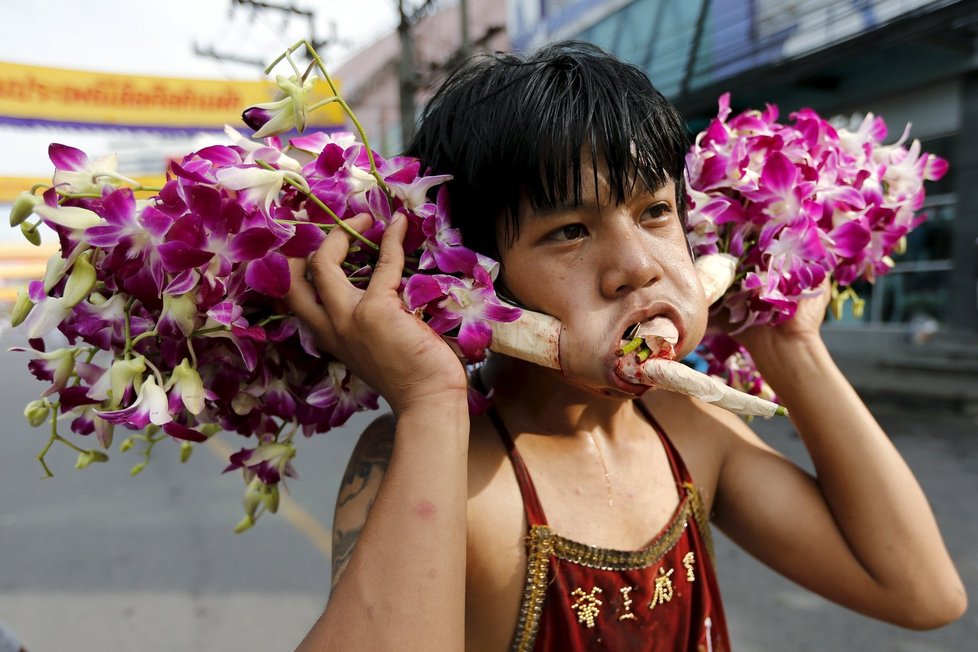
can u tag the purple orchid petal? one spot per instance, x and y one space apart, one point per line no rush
65 157
225 313
251 244
269 275
183 433
422 289
473 339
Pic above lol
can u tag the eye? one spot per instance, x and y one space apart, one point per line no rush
660 212
568 232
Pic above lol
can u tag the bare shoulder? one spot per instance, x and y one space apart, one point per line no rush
705 436
359 487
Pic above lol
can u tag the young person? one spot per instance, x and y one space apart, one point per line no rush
573 515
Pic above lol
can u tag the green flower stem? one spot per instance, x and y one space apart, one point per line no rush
343 225
643 354
193 353
38 186
212 329
339 100
141 336
78 195
128 349
53 438
270 319
316 200
156 372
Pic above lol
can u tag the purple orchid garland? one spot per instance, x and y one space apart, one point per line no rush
170 305
796 204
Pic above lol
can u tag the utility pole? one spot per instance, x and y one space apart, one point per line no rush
463 10
287 11
407 75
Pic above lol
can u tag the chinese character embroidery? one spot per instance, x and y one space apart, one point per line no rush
663 588
587 605
688 563
627 604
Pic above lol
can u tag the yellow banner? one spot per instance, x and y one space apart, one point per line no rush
32 94
11 187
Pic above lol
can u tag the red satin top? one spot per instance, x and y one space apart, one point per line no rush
577 597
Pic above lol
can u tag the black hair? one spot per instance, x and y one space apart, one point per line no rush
510 127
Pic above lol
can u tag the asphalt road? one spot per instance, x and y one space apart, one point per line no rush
98 560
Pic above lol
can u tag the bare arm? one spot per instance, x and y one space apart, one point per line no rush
402 586
358 489
862 532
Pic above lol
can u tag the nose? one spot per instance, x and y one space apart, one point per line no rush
630 263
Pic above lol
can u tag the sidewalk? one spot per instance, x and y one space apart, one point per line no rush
885 367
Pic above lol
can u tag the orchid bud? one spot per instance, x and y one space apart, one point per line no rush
80 281
858 307
23 207
253 496
30 232
126 444
209 429
186 448
270 497
901 246
103 431
37 412
22 306
244 524
136 470
87 457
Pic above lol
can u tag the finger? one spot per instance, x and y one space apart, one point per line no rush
336 246
390 263
301 301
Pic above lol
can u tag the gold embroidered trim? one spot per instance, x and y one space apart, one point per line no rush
608 559
543 542
702 519
539 548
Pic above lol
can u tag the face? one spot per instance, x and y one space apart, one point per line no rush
600 268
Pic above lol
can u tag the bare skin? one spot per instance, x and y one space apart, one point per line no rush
439 561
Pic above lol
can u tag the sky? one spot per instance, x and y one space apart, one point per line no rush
158 38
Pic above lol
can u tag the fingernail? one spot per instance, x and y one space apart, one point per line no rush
397 218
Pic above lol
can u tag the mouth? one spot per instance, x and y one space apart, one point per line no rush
658 333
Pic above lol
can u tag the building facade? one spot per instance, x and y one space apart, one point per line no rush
907 60
370 79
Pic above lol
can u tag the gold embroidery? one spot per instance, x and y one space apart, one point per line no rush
542 543
663 588
607 559
539 548
688 563
702 519
627 604
587 606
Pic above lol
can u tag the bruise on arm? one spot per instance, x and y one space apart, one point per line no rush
359 487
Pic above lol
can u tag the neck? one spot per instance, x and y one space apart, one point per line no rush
535 399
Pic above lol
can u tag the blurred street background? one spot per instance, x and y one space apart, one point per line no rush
98 560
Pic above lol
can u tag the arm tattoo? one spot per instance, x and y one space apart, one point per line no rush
372 458
375 456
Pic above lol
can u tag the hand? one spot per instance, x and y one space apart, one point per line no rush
371 331
802 327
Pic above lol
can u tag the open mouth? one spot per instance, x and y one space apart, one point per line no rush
656 337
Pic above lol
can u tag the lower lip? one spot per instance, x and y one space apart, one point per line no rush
629 388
